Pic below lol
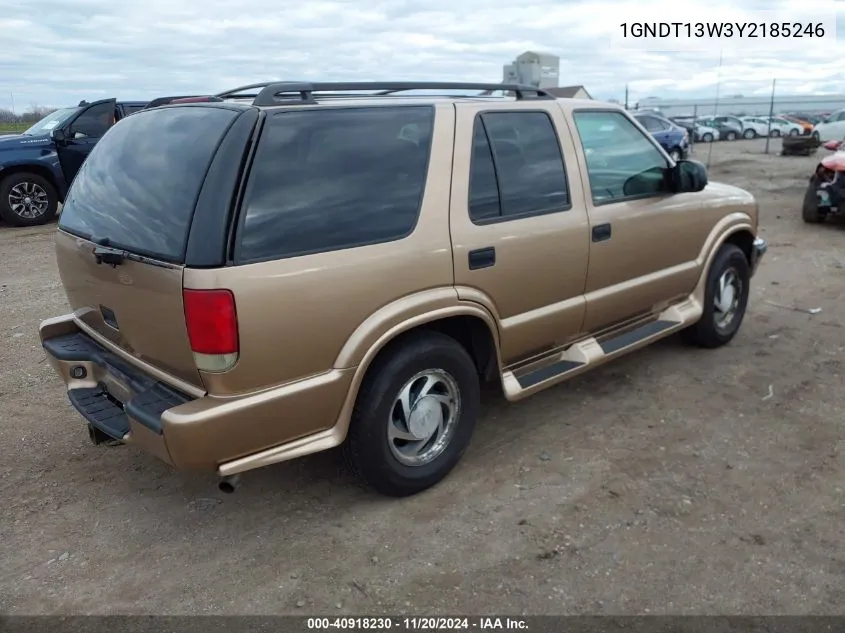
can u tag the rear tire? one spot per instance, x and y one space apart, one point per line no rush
374 448
774 133
725 299
810 208
27 199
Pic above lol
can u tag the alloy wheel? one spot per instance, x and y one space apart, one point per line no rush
28 200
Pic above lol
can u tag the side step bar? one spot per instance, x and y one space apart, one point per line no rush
589 353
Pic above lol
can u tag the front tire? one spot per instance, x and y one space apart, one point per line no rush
749 134
810 208
675 154
707 138
27 199
414 415
793 132
730 136
725 299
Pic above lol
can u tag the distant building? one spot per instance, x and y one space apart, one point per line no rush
744 105
570 92
540 70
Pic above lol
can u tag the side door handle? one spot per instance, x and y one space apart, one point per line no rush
482 258
601 232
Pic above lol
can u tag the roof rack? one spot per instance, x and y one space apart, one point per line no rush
160 101
285 92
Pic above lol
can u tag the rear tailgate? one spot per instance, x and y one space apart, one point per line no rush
137 306
134 200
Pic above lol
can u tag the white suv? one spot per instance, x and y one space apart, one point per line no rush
832 128
754 126
783 127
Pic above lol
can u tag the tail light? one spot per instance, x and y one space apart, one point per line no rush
212 324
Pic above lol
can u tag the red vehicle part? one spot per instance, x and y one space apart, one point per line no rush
834 162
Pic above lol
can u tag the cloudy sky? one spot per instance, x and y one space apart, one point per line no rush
56 52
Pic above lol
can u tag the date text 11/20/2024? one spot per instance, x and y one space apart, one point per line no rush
723 29
416 624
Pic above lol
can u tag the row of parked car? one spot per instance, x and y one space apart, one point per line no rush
675 133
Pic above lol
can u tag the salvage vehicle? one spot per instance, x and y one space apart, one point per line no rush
755 126
697 131
806 126
306 266
37 167
784 127
825 195
831 128
731 121
672 137
727 132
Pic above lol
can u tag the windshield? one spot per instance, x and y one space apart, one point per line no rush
51 121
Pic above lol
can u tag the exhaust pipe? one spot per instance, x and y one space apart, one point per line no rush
229 484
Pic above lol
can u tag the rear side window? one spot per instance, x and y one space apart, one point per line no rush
516 168
139 185
331 179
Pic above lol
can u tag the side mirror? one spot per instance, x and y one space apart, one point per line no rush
59 136
689 176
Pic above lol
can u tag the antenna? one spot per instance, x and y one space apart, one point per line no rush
716 103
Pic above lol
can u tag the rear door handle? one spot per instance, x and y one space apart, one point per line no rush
482 258
601 232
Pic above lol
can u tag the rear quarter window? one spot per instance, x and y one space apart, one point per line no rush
139 186
334 178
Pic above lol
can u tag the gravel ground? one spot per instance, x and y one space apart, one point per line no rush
674 480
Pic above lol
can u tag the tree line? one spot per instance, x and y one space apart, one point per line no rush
33 114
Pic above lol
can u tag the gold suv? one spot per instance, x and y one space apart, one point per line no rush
294 267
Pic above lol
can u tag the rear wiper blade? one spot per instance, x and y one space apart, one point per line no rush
114 257
109 256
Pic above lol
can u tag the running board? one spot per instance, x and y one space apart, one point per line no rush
589 353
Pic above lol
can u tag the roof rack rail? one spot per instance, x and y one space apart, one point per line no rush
281 92
160 101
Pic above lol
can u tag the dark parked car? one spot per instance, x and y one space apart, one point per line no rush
727 129
673 138
37 167
697 131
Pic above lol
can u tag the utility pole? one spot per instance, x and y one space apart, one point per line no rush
626 96
771 114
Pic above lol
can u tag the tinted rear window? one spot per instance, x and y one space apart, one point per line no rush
139 185
335 178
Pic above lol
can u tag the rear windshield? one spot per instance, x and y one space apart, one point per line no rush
337 178
139 185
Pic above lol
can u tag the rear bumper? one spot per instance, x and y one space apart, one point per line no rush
757 251
120 400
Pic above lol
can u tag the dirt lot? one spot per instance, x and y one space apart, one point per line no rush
672 481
